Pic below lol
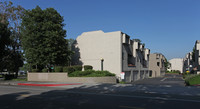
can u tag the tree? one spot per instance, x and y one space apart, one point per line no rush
193 54
11 15
4 42
43 38
70 42
167 64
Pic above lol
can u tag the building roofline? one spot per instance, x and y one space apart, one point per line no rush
197 41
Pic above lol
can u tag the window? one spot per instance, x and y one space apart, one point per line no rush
158 63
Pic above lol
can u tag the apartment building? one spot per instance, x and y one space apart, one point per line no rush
188 62
176 64
197 55
112 51
157 64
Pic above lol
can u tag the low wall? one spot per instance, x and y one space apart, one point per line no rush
63 77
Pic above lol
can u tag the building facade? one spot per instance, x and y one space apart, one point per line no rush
114 51
157 64
197 56
188 62
176 64
192 60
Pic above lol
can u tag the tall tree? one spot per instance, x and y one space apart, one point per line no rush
193 54
12 14
4 43
43 38
70 42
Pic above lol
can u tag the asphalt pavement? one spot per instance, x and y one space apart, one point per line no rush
168 79
167 92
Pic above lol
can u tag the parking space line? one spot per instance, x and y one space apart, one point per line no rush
163 79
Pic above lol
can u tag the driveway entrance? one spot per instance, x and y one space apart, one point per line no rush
168 79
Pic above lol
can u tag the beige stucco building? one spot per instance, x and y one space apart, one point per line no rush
157 64
119 53
176 64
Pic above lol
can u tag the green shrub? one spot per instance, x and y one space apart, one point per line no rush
58 69
194 80
35 70
65 69
88 67
173 71
79 73
90 73
45 70
77 67
68 69
102 73
122 82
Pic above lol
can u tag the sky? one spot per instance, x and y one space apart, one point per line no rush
170 27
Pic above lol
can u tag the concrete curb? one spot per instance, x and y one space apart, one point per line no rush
9 83
47 85
27 83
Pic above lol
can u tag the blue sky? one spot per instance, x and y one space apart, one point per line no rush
170 27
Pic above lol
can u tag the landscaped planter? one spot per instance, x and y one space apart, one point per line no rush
63 77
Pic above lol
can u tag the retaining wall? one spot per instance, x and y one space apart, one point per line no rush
63 77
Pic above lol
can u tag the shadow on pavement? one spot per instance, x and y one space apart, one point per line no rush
102 96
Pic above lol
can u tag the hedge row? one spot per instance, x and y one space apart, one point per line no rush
90 73
68 69
88 67
193 80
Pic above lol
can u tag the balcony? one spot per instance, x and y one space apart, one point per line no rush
131 65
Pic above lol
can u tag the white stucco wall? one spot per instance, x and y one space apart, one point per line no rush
96 45
176 64
197 54
146 53
135 47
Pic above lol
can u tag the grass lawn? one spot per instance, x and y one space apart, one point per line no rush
193 80
20 79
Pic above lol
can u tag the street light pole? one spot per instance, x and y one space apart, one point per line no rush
102 64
